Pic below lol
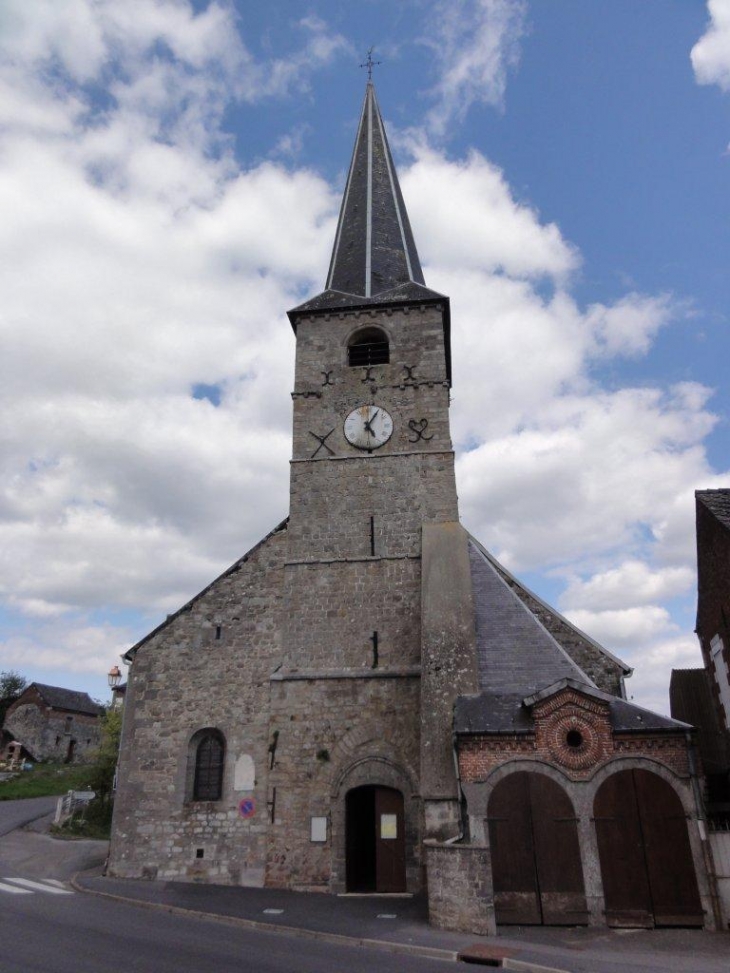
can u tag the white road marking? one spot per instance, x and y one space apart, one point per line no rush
38 886
13 889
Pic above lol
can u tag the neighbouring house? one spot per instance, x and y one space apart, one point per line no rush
53 723
368 701
691 700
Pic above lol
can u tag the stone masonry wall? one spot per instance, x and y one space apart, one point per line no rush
372 715
460 896
47 733
207 667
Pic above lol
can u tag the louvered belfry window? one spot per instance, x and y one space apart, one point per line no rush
209 768
368 347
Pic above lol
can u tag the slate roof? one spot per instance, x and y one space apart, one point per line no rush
486 713
67 699
717 502
520 662
549 616
515 652
374 248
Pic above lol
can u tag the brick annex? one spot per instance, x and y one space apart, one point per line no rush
367 701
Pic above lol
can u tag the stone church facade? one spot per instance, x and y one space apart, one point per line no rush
367 701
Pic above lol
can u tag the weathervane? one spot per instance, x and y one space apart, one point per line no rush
369 63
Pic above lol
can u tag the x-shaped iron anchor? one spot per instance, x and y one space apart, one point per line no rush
322 443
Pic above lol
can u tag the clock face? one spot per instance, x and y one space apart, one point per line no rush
368 427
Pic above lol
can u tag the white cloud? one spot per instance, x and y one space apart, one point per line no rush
711 54
624 628
632 583
474 44
82 649
649 686
477 224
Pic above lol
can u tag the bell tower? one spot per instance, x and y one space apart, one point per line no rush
372 464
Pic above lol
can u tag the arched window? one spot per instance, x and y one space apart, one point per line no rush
208 751
368 347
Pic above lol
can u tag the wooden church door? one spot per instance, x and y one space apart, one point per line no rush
646 860
375 840
536 865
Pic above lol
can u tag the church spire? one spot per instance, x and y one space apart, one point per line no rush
374 259
374 249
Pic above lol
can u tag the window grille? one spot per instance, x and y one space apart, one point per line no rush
208 784
369 347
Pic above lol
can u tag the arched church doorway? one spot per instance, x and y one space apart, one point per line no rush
646 860
536 865
375 840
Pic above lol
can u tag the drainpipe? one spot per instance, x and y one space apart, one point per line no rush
702 827
460 835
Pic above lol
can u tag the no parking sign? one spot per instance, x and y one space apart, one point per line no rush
247 807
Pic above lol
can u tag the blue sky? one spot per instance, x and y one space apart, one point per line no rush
170 175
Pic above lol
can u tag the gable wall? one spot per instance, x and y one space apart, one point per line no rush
182 680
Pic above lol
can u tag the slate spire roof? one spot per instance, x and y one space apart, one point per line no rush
374 248
374 257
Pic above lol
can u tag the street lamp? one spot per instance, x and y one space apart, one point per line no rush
114 677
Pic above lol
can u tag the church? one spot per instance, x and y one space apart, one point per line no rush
367 701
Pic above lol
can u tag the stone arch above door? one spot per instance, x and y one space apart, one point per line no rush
378 771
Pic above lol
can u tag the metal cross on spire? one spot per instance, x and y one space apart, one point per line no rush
369 63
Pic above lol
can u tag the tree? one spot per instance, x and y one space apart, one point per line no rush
101 776
12 685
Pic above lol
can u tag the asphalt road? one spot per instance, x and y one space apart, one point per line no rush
49 933
46 927
14 814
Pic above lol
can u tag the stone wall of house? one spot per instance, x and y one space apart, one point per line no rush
50 734
208 667
460 896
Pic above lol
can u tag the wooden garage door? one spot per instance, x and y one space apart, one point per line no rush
646 860
536 867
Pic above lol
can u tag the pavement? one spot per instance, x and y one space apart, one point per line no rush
400 924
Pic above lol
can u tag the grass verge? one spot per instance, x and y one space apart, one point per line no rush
45 780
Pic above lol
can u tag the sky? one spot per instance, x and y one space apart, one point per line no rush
170 179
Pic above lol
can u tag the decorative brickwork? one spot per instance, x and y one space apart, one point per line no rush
573 730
